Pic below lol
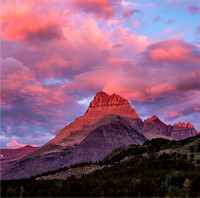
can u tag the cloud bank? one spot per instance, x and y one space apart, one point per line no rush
57 54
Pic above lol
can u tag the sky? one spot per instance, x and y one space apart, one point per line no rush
57 54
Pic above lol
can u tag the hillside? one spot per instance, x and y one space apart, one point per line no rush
157 168
9 156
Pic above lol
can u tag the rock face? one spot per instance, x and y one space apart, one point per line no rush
109 122
178 131
114 104
155 125
183 130
102 140
100 112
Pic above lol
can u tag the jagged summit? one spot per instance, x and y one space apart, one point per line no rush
104 104
183 125
104 101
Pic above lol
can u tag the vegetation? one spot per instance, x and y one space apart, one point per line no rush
148 172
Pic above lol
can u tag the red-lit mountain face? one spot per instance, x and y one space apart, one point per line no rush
109 122
177 131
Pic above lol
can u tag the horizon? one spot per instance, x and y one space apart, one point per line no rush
56 55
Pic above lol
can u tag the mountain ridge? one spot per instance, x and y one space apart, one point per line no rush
10 155
104 109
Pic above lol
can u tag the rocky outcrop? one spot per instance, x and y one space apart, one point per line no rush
178 131
155 128
183 130
114 104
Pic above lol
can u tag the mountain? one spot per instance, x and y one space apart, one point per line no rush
102 140
101 110
182 130
60 150
109 122
9 156
155 128
178 131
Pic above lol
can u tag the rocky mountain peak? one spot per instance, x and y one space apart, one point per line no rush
153 118
183 125
104 104
102 99
190 126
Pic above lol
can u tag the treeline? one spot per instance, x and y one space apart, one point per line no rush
152 146
168 175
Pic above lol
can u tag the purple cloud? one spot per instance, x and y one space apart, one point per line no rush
157 18
193 10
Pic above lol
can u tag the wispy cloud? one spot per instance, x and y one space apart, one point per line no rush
128 3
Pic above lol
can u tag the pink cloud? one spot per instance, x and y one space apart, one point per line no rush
111 80
102 8
85 54
35 88
193 10
128 3
197 109
173 51
172 113
125 92
35 122
130 12
42 136
168 31
194 74
157 90
26 21
14 73
14 144
119 62
177 36
18 80
132 43
38 139
157 18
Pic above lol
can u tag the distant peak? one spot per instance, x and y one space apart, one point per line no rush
153 118
184 125
27 146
